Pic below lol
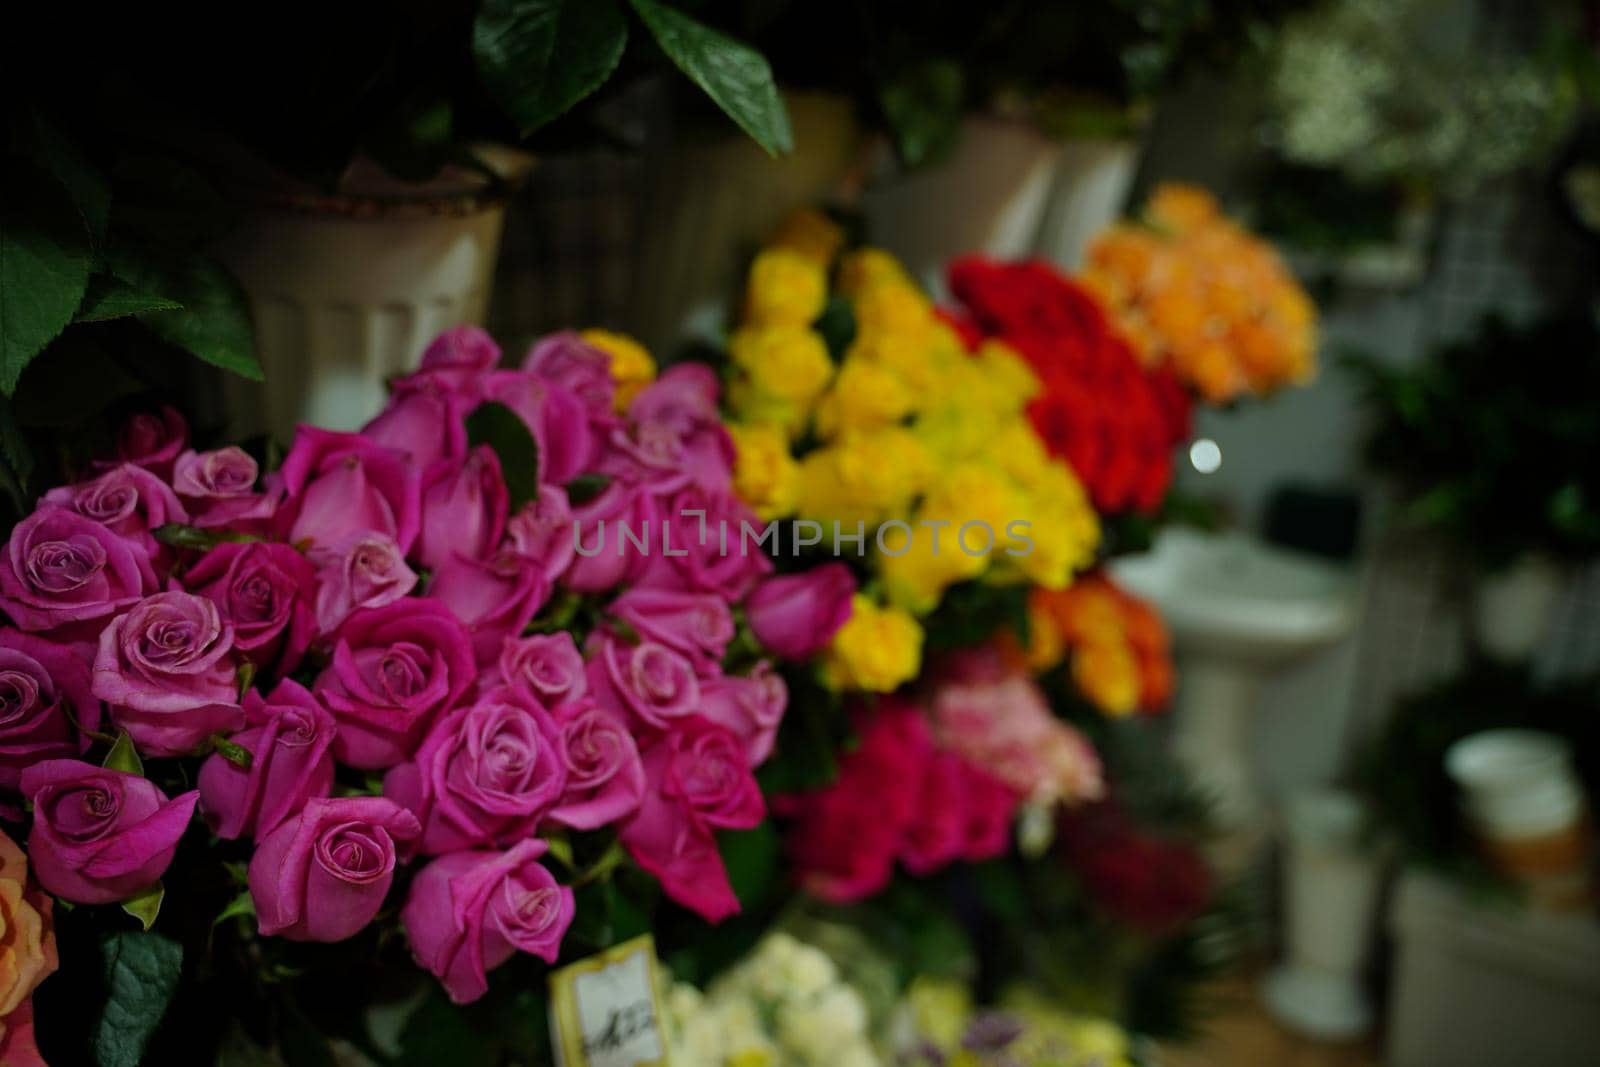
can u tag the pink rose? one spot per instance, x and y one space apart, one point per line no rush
556 419
290 739
366 570
153 441
648 681
127 500
496 597
469 912
936 835
991 812
684 395
749 707
542 531
697 783
795 615
339 484
394 669
219 488
606 533
62 570
484 776
45 699
463 509
565 359
425 419
605 779
100 835
462 348
165 672
264 591
322 874
545 668
705 528
699 625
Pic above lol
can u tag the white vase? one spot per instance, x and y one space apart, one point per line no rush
988 197
1088 193
346 292
713 198
1512 608
1330 895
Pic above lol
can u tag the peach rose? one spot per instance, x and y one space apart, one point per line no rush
27 955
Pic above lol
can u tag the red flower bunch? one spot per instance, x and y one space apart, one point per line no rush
1113 420
1154 884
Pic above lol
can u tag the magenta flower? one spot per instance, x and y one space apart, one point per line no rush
290 740
62 570
264 591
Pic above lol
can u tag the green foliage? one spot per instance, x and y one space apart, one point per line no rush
734 75
508 436
538 58
923 106
123 756
145 905
1493 440
973 612
45 261
141 974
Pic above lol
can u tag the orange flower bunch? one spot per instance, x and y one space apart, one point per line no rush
1196 291
1115 644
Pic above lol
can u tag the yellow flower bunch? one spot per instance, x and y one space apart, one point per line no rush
1198 292
910 449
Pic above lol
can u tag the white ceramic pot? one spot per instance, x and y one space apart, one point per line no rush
1088 193
712 198
989 197
1512 609
1331 885
346 292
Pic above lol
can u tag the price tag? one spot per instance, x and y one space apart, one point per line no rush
604 1011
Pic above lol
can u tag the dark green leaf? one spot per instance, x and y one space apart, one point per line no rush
72 383
243 904
537 58
837 326
17 455
145 905
45 260
88 187
923 106
180 536
438 1032
751 859
123 756
734 75
586 487
168 201
504 431
141 973
109 297
302 1043
213 320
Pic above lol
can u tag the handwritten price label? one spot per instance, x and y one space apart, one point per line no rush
604 1011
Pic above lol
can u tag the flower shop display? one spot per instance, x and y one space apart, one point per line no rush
427 685
1199 294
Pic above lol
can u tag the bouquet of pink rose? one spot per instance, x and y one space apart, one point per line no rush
441 671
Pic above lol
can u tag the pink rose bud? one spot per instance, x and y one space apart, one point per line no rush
153 441
425 420
699 625
322 875
127 500
290 738
484 776
394 669
469 912
697 783
542 531
264 590
366 570
100 835
464 509
749 707
496 597
567 360
647 682
340 484
794 616
219 488
462 347
167 674
720 562
605 779
63 572
45 699
545 668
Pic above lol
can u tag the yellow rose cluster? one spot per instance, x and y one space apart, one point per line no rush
1199 293
910 450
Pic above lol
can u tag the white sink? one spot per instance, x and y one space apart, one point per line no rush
1238 610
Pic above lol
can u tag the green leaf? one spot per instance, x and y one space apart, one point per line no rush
508 436
243 904
165 200
537 58
145 905
109 297
123 756
141 974
88 187
585 487
235 754
45 260
751 859
438 1032
17 455
837 326
923 106
734 75
213 319
71 384
178 535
